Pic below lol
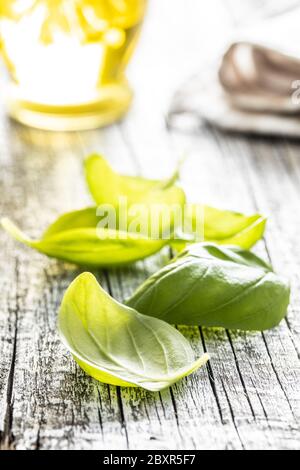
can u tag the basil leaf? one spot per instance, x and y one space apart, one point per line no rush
232 228
154 206
222 227
107 186
75 238
83 218
226 227
215 286
117 345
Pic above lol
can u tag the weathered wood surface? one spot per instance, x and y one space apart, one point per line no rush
248 397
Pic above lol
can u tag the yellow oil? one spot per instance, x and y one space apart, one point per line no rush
67 59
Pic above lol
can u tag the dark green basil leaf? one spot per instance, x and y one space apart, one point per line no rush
216 286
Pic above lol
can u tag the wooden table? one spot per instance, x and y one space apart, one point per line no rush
249 395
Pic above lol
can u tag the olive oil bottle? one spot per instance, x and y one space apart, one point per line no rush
67 59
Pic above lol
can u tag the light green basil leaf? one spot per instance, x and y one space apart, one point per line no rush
152 206
232 228
215 286
227 227
83 218
107 186
221 227
75 238
117 345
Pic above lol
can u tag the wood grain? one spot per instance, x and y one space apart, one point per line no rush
248 397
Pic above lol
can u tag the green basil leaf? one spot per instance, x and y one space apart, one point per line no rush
226 227
150 206
75 238
222 227
107 186
232 228
117 345
83 218
215 286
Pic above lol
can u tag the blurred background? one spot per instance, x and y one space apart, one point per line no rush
67 61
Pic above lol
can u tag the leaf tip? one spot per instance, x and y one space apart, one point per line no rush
202 361
14 231
92 157
83 280
5 221
86 276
